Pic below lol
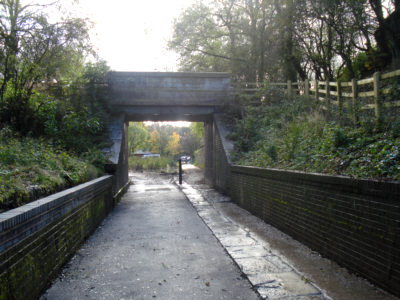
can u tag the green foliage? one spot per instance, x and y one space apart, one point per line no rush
30 168
173 147
364 65
152 163
190 142
295 134
138 137
201 43
45 88
74 117
287 39
33 54
197 128
53 107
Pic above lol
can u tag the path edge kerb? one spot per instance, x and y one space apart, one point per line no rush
322 292
243 275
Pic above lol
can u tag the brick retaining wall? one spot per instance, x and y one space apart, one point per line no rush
353 222
38 238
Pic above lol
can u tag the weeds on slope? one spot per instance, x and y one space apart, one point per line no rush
296 134
31 168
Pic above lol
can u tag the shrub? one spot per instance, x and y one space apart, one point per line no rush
31 168
152 164
295 134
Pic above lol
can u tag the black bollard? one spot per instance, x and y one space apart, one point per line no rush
180 171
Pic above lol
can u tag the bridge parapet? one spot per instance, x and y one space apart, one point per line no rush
169 88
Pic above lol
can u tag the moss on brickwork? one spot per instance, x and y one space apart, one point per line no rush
33 263
350 221
4 290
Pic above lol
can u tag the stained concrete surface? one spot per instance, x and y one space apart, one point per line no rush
269 274
332 280
153 245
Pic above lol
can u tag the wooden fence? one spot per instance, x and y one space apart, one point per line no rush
375 93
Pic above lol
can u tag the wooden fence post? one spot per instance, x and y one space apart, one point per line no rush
354 96
377 99
290 89
339 97
328 96
307 88
316 89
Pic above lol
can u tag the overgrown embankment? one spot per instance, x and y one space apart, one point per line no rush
297 134
32 168
53 106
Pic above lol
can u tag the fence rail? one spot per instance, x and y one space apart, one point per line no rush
360 95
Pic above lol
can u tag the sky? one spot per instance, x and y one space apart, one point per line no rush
132 35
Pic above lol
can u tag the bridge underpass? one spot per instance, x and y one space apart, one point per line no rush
158 96
155 244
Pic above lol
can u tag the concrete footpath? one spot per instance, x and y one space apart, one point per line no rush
278 266
153 245
271 276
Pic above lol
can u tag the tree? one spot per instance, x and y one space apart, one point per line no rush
245 37
288 40
138 137
197 128
154 142
173 147
387 34
34 53
200 41
189 143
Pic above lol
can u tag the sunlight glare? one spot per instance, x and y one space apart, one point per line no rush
133 35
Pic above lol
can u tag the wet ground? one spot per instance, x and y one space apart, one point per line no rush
191 242
153 245
332 280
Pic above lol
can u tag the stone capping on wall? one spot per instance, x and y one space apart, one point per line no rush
46 210
352 221
343 183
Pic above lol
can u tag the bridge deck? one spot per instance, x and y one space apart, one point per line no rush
153 245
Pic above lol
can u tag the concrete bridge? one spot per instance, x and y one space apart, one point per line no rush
354 222
165 96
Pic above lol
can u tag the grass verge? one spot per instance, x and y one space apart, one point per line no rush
32 168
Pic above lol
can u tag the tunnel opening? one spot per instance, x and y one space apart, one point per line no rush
157 146
164 96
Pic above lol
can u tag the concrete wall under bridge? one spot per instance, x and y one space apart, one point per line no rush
164 96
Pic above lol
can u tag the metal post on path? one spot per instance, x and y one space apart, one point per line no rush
180 171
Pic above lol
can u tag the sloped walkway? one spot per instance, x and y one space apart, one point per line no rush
270 275
153 245
278 266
